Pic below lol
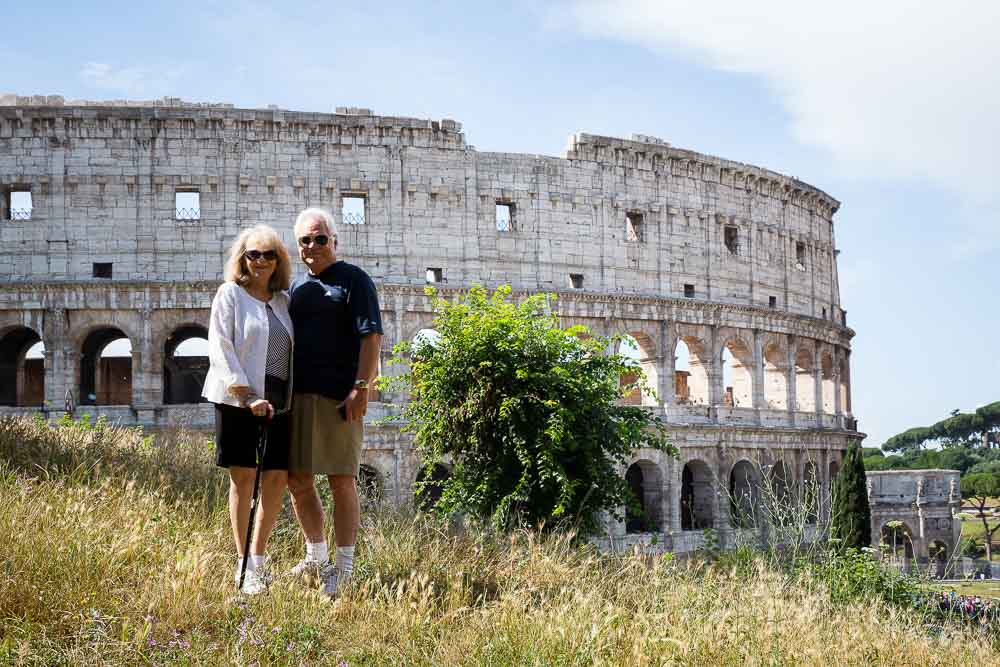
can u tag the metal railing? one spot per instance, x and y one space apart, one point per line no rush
187 214
20 214
353 218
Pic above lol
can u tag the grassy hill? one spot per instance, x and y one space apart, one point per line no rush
115 549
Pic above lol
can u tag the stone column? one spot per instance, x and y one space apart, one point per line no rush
716 390
759 401
838 409
147 379
792 392
61 361
665 366
817 385
674 491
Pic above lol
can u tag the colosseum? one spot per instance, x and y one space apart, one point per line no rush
722 275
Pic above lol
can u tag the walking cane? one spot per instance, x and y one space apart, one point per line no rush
261 451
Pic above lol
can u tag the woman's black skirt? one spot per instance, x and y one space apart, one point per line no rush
237 432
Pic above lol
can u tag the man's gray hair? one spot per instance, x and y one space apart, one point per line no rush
317 213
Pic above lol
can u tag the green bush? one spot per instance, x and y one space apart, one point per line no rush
528 413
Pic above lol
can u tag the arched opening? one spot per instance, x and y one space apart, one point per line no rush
106 368
690 372
22 368
775 378
430 486
696 496
744 494
828 386
646 483
834 470
423 339
805 381
810 492
938 553
629 348
781 502
737 375
897 543
185 364
845 387
641 352
370 487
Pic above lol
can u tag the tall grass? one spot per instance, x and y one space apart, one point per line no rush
115 549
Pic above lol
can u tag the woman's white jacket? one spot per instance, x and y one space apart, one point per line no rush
237 342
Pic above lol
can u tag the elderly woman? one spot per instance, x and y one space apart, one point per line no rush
249 381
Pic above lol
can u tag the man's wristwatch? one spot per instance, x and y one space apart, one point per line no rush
361 385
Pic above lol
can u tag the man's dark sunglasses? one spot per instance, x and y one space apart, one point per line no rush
254 255
320 239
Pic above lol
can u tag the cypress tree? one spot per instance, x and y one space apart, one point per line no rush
851 516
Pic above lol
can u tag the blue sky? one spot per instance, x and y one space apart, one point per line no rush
895 111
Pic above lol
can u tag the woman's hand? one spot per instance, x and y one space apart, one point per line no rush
261 408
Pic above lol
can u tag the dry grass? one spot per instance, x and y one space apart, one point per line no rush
118 553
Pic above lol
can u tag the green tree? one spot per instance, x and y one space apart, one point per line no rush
851 516
980 488
959 429
528 413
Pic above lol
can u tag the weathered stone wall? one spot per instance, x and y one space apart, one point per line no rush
925 501
103 180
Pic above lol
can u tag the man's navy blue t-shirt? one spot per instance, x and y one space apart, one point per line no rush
331 312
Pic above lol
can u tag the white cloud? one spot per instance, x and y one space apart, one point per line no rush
892 88
133 82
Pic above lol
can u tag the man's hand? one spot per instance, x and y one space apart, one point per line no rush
356 404
261 408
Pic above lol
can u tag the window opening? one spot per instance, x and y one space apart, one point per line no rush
353 209
633 226
800 256
689 291
576 280
19 204
102 269
505 216
772 301
434 275
187 205
732 238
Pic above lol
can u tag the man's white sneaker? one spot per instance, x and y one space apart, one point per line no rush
331 581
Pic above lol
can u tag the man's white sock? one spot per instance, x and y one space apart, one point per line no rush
257 562
318 552
345 563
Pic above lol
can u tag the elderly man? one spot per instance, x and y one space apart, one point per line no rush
338 332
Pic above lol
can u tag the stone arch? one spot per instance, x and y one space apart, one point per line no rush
828 386
640 348
811 493
775 376
845 386
737 373
691 363
805 379
937 552
896 543
22 367
424 337
697 491
433 480
371 485
184 369
744 494
106 379
646 482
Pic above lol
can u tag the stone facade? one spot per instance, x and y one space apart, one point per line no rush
635 236
924 503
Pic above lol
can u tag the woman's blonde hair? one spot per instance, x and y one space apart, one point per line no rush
236 270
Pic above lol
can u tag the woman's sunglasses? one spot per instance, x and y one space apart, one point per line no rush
254 255
320 239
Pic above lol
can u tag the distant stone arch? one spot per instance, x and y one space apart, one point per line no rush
896 543
775 377
22 367
737 374
185 365
697 491
828 383
691 363
805 380
106 368
937 552
646 483
744 494
371 487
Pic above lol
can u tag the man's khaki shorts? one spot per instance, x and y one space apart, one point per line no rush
322 442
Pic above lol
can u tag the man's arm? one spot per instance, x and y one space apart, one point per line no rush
357 401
